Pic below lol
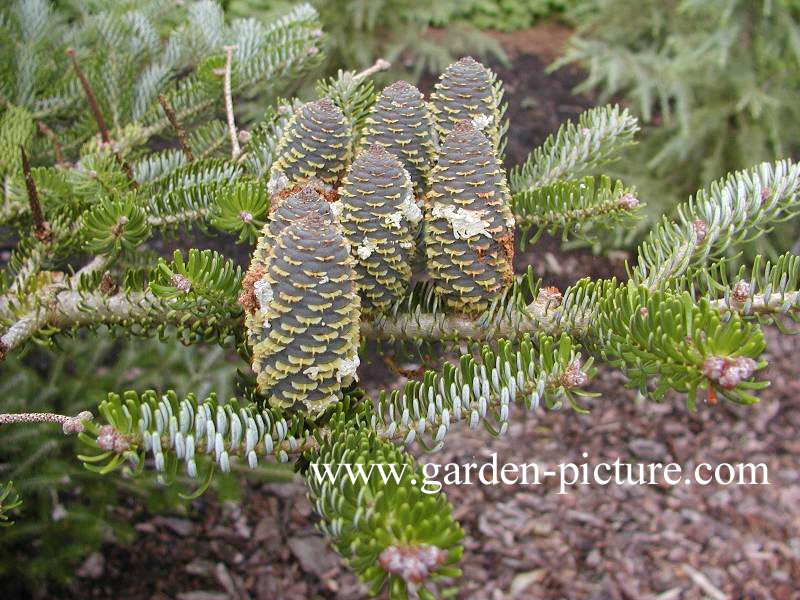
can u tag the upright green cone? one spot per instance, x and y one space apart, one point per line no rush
400 122
469 233
379 218
468 91
316 144
307 310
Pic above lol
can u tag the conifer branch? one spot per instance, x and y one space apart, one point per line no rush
594 140
69 425
70 309
180 132
572 206
733 210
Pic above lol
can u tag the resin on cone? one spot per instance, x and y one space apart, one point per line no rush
469 227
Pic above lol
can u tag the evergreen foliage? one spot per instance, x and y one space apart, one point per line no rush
359 31
309 186
715 80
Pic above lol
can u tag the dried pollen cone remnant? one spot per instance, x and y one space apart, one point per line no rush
379 218
316 144
310 311
401 123
467 91
469 234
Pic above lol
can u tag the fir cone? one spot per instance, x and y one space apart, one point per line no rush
379 218
308 309
316 144
468 91
287 207
469 227
399 122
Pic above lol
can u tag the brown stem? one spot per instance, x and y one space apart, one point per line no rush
90 97
180 132
50 135
98 117
40 227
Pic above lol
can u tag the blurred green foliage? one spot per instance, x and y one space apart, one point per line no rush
716 80
67 511
361 31
508 15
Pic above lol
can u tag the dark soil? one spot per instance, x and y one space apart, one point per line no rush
613 542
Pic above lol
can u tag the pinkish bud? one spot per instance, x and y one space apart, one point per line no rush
741 291
412 563
713 367
550 297
573 377
629 201
728 373
700 229
245 216
110 439
739 369
180 283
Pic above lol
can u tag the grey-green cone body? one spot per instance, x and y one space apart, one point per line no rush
467 91
379 217
308 308
469 227
400 122
287 207
316 144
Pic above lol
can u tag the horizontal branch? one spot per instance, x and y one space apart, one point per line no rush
171 220
760 304
71 309
69 425
426 326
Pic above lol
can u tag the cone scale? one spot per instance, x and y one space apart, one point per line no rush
306 321
469 228
379 218
316 145
467 91
400 123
